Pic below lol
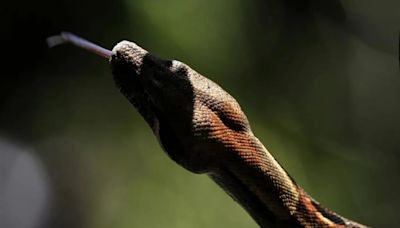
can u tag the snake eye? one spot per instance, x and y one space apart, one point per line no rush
233 121
230 115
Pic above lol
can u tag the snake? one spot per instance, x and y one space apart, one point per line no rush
202 128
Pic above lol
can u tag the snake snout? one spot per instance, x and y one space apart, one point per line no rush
129 54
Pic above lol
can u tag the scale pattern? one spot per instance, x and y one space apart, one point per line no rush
203 129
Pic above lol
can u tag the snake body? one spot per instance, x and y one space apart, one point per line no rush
203 129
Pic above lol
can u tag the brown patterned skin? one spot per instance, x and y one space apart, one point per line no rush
203 129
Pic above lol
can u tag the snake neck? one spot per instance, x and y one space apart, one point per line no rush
253 178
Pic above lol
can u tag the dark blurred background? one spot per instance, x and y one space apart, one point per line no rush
319 81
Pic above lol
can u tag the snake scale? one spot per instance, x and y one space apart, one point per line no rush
202 128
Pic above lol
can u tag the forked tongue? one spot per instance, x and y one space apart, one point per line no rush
66 37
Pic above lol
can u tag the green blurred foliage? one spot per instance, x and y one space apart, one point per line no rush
320 87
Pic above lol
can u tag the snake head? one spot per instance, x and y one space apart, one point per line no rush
189 114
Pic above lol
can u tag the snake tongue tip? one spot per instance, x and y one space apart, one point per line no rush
53 41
